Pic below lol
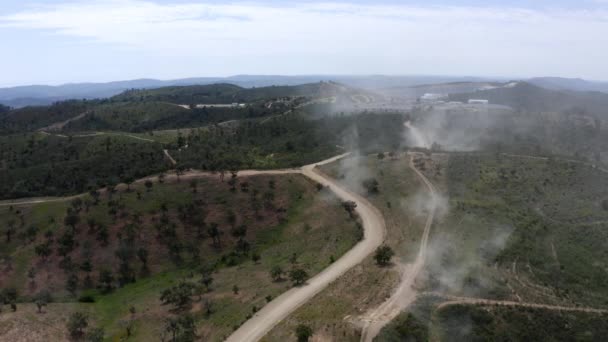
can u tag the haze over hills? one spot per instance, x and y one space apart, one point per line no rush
404 86
529 97
43 94
578 84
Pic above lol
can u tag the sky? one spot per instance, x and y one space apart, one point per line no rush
65 41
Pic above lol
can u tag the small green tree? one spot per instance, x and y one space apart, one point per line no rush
255 257
179 295
181 329
371 185
383 255
72 284
77 323
106 280
276 273
142 254
95 195
298 276
9 295
72 220
215 233
31 273
43 250
42 299
95 335
350 206
128 180
303 333
194 185
103 235
148 184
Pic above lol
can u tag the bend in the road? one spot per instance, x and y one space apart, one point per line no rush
278 309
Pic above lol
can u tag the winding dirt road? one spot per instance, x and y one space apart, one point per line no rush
278 309
405 294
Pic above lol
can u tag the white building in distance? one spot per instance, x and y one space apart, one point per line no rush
431 97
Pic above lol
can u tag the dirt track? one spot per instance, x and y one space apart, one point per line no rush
456 300
278 309
404 295
60 125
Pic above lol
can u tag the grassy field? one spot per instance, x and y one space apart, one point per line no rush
281 228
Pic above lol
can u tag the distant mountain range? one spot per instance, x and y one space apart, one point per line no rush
412 86
44 95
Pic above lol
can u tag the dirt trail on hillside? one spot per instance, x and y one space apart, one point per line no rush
57 126
94 134
405 294
173 162
456 300
278 309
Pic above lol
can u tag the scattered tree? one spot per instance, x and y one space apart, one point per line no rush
349 206
72 220
255 257
303 333
383 255
95 335
77 323
298 276
106 281
42 299
181 329
148 184
193 185
214 233
72 284
276 273
371 185
179 295
206 277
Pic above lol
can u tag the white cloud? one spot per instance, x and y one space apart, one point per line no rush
368 38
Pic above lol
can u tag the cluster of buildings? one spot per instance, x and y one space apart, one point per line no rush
441 99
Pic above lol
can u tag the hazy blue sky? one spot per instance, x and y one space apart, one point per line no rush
58 41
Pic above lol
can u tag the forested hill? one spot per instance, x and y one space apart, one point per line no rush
528 97
146 109
224 93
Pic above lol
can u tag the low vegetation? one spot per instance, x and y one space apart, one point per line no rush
46 165
118 256
471 323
